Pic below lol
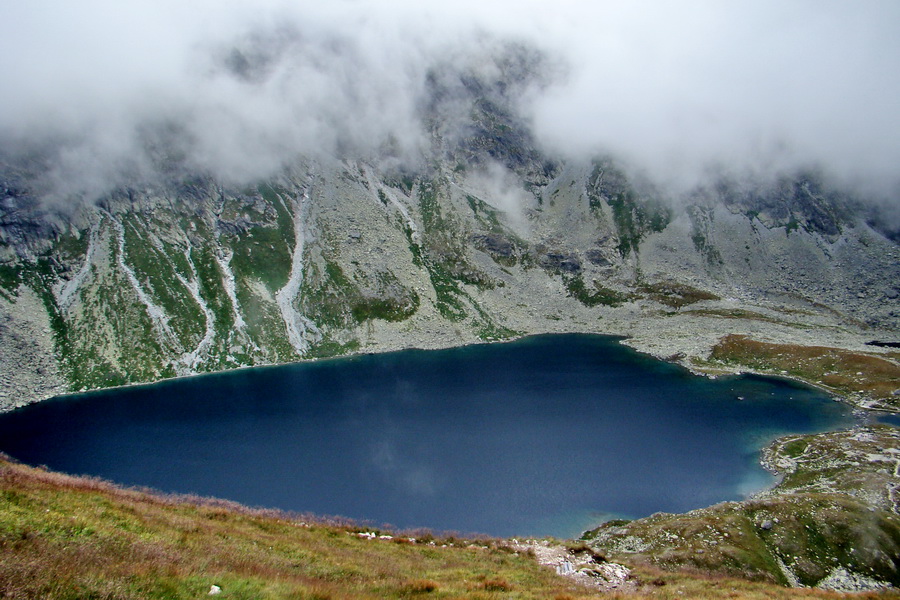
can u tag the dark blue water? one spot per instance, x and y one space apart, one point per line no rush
543 436
889 420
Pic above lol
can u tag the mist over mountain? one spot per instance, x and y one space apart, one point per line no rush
107 95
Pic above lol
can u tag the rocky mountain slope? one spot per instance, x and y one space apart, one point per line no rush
485 238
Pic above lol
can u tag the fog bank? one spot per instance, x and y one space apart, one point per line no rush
239 89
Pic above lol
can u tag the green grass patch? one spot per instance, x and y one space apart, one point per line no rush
598 295
385 309
265 250
72 247
10 279
210 280
795 448
264 323
328 348
633 214
331 298
489 331
156 272
263 253
485 214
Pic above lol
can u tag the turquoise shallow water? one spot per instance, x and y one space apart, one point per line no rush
547 435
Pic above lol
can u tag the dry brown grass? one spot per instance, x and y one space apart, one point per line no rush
738 313
696 584
840 370
419 586
675 294
495 584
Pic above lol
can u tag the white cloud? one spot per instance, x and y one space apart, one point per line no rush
676 85
501 189
672 86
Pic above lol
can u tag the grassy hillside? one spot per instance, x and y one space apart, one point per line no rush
69 537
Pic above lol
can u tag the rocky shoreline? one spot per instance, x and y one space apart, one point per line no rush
832 521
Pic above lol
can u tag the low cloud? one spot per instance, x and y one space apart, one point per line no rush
501 189
112 91
678 87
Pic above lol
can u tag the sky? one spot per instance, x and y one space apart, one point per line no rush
672 87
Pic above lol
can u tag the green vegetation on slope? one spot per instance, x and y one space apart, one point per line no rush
262 247
99 361
10 278
444 257
598 295
634 215
157 271
88 341
332 299
212 290
40 276
263 253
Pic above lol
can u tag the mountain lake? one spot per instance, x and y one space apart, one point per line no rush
546 435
